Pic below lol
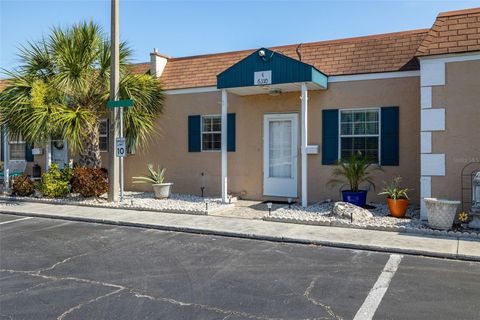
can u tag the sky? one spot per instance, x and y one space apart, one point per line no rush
185 28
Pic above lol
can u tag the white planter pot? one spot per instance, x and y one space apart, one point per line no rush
162 190
441 213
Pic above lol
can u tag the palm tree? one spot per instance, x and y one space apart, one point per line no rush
61 90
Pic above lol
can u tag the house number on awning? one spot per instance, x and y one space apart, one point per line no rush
262 77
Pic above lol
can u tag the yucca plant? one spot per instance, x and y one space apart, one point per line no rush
353 171
393 189
153 177
61 91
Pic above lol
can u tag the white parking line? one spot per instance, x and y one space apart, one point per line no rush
10 221
375 296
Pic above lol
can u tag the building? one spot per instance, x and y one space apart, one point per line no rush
271 122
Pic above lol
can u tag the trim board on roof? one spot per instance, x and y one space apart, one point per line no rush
355 77
192 90
453 57
375 76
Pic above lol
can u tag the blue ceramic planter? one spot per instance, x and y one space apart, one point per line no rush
357 198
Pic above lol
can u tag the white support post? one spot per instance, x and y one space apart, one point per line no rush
304 131
48 154
224 146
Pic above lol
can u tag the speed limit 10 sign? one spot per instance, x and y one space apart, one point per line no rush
121 150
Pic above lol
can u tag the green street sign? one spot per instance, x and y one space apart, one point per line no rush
120 103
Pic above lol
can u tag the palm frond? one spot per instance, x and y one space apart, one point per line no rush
62 87
148 99
394 190
354 170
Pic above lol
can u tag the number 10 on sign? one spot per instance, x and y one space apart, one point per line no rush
121 150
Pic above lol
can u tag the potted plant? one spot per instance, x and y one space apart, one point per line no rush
155 178
354 171
397 197
441 212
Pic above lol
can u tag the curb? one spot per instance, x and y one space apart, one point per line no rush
463 235
252 236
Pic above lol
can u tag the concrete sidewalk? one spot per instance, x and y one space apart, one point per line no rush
443 247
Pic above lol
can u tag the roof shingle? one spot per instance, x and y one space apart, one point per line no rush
453 32
378 53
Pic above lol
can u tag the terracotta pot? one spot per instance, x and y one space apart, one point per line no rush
398 207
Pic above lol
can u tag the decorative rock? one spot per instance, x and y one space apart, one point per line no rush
351 212
177 203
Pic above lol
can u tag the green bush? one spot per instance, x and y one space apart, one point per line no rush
23 186
55 183
67 173
90 182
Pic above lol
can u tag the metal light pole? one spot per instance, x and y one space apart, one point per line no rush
113 162
121 158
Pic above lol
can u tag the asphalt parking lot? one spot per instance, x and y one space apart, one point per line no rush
54 269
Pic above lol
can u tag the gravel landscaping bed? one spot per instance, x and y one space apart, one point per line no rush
321 214
177 203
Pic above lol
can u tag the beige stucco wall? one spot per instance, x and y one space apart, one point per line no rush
460 142
401 92
169 145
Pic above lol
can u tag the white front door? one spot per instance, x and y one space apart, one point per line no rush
280 140
59 152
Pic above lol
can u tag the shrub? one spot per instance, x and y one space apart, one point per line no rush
54 183
353 171
393 190
90 182
23 186
153 177
67 173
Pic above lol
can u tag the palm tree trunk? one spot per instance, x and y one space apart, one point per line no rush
90 155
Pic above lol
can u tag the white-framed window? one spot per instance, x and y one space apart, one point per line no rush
17 149
360 132
103 135
211 133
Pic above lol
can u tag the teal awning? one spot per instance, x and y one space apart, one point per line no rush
270 69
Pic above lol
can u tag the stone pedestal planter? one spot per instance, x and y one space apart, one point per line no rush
475 214
162 190
441 213
475 223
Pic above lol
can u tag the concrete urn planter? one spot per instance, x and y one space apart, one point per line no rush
162 190
441 213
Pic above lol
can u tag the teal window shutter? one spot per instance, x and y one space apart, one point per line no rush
28 152
329 136
390 128
194 133
231 132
